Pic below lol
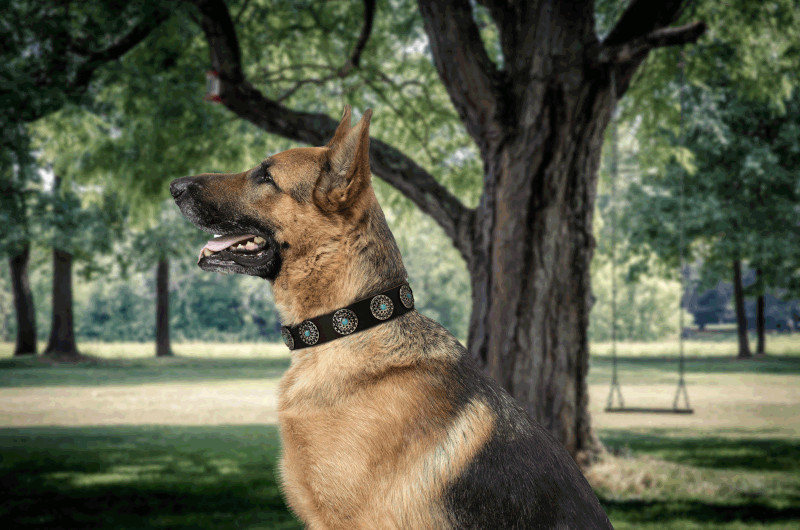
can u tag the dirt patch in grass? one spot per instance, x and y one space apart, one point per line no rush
233 402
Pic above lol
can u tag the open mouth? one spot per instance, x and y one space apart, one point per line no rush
242 253
241 245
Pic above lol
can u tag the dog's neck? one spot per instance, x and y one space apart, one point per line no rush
364 261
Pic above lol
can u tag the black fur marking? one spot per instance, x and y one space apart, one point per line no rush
523 477
301 192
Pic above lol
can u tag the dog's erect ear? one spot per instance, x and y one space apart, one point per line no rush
347 173
342 129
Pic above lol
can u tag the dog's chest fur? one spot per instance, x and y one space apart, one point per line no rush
371 438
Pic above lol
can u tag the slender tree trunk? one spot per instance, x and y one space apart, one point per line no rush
62 328
760 318
23 303
163 348
741 317
760 325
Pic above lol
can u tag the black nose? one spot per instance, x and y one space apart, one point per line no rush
180 185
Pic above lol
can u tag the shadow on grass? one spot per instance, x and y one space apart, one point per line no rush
630 365
744 453
39 371
142 477
688 512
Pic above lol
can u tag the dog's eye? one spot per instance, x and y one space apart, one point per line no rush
262 176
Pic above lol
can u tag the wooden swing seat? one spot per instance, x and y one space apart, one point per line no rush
665 410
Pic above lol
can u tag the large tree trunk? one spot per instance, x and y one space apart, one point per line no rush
741 317
62 328
538 120
163 348
760 318
530 265
23 303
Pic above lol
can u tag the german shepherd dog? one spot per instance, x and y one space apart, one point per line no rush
393 426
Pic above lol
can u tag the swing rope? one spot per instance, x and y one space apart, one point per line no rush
681 369
615 388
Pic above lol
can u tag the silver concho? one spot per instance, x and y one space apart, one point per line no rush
308 332
344 321
287 338
381 307
406 296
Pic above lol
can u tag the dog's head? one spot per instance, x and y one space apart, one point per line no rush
284 208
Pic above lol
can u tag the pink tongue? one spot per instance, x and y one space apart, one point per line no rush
221 243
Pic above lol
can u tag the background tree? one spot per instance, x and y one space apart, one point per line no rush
50 52
77 229
742 199
157 244
18 172
749 57
130 130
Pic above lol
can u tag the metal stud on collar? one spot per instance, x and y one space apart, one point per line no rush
287 338
406 297
345 321
381 307
309 333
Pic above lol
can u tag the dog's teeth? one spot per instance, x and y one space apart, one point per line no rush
207 252
250 246
258 240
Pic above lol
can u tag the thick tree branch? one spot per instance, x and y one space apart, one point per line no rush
223 44
642 27
642 17
510 18
470 77
659 38
119 48
239 96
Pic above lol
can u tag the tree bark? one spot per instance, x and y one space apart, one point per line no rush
760 318
23 303
530 266
163 348
62 328
538 122
741 317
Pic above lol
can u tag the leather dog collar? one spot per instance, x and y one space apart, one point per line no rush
356 317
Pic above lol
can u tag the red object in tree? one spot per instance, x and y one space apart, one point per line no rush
212 87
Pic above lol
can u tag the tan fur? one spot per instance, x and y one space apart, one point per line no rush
370 440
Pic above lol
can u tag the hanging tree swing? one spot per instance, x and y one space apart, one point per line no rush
615 389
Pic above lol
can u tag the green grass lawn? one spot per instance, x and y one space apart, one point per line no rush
125 440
